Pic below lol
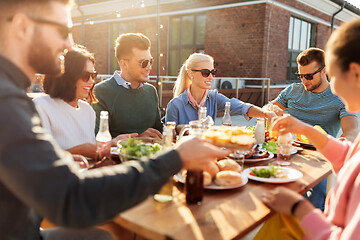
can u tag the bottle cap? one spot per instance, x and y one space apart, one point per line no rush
170 123
104 114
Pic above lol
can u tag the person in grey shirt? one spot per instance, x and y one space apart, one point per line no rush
37 178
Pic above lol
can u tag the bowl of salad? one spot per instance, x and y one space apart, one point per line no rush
138 148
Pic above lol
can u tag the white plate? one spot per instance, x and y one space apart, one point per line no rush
114 151
293 175
180 178
250 160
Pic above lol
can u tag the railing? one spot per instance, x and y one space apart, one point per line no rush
265 84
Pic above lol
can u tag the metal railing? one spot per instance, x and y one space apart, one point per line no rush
265 84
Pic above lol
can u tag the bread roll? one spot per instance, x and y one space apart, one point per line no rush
212 168
207 178
228 164
228 178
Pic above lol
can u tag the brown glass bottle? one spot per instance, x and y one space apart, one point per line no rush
194 188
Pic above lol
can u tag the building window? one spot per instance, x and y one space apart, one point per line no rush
186 36
301 37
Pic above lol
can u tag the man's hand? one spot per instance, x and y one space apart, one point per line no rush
196 153
121 137
152 133
274 106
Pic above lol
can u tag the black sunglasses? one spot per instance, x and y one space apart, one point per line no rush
86 76
205 72
309 76
144 63
63 29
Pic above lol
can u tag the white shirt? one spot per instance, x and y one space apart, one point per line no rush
69 126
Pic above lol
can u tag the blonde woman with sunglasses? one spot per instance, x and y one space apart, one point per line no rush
66 112
192 91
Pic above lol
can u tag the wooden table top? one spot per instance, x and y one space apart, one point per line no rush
223 214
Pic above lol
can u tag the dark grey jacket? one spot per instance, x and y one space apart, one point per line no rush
38 179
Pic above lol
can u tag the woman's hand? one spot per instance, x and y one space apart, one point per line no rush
286 124
81 160
282 200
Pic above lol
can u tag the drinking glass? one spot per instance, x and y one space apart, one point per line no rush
195 128
239 157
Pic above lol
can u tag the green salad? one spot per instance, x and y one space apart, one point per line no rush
270 146
137 148
265 172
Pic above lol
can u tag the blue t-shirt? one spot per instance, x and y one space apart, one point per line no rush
182 111
324 109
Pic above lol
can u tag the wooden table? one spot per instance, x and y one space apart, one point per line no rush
225 214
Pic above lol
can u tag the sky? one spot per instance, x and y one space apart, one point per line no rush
356 3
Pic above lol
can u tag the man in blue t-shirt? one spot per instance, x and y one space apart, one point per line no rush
312 102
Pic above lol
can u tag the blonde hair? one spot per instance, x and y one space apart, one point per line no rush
183 79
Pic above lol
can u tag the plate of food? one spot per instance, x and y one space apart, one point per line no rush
255 155
137 148
180 177
273 174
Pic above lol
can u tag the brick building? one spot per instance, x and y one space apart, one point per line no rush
256 39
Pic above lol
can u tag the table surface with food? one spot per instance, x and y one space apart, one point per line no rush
232 205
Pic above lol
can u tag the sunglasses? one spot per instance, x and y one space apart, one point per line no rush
144 63
206 72
63 29
309 76
86 76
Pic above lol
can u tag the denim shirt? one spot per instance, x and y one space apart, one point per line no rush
181 110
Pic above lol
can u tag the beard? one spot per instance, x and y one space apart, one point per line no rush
41 58
314 87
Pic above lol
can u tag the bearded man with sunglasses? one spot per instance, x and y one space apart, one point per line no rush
132 103
312 102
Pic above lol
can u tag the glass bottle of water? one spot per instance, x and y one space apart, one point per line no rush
103 137
260 131
226 121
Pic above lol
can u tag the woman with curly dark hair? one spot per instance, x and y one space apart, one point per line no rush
66 112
